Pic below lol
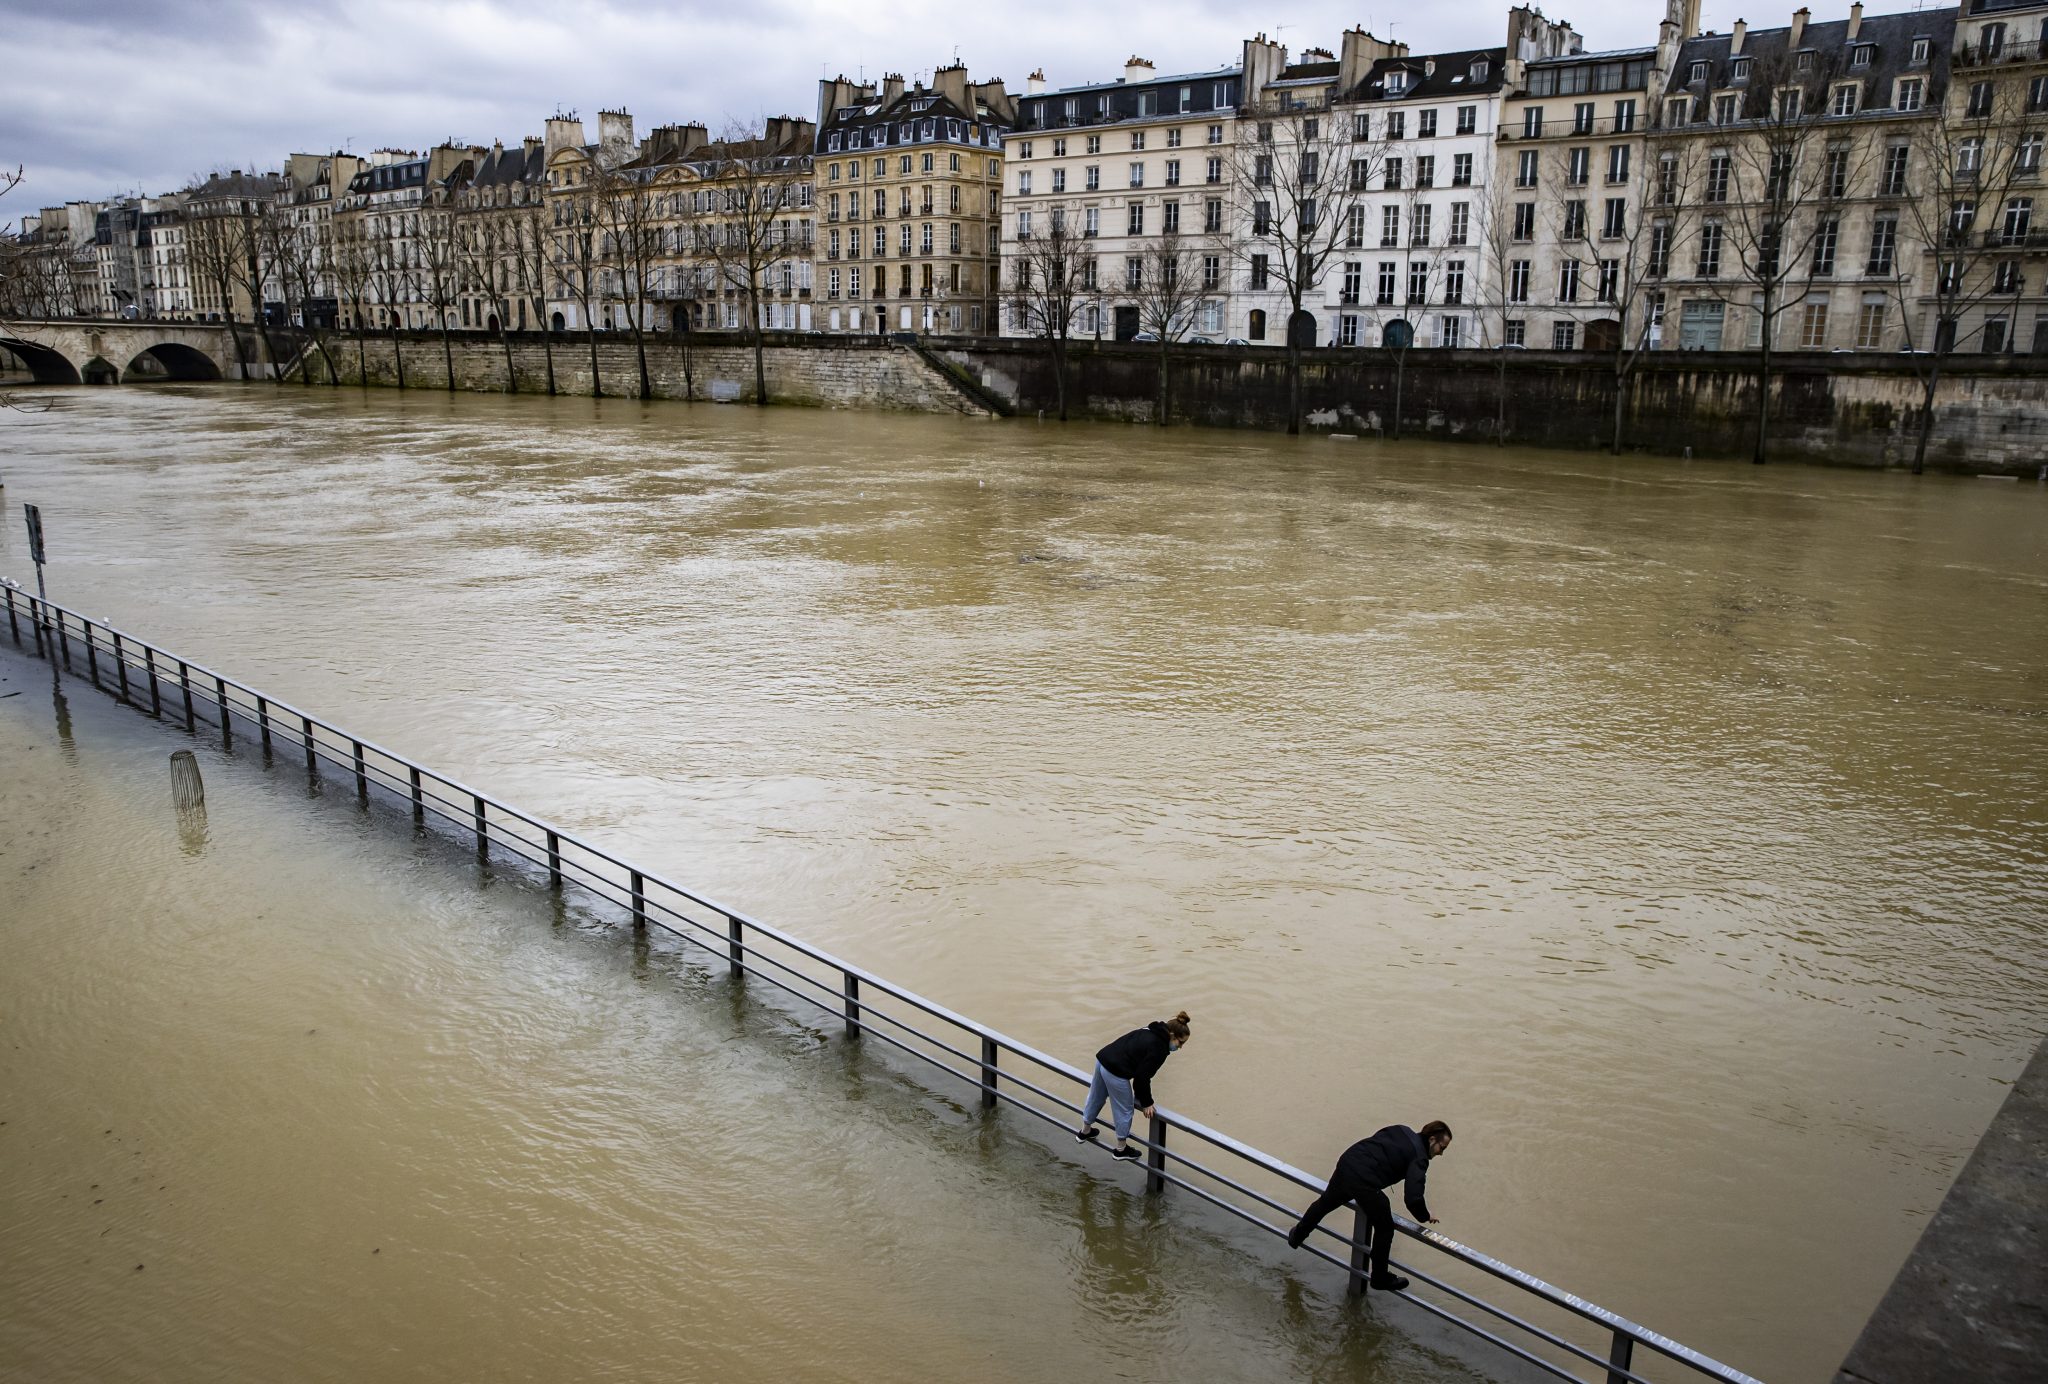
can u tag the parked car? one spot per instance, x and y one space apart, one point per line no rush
1235 341
1201 341
1146 336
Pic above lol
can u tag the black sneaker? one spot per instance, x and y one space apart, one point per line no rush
1388 1282
1295 1237
1085 1136
1126 1153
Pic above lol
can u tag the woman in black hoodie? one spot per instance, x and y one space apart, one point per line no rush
1123 1077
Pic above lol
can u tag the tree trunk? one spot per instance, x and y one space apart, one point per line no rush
596 382
760 366
235 337
1159 411
1621 376
362 355
640 346
447 350
1293 382
1400 383
505 341
397 353
547 345
1057 349
333 375
1926 416
1763 402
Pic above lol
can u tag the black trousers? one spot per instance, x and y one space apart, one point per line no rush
1346 1185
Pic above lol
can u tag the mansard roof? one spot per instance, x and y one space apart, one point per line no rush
1439 76
1889 38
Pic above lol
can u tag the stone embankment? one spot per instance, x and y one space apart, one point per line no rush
828 372
1991 413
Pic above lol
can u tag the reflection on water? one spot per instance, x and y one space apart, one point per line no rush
1673 831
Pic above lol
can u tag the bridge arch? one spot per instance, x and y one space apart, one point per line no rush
177 362
45 365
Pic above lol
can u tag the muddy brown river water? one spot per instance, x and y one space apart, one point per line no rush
1676 832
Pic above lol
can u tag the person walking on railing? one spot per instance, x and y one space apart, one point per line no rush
1395 1154
1123 1077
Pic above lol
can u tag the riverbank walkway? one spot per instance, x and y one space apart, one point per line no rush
1972 1301
1512 1317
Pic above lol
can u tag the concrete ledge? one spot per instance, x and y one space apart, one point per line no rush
1972 1301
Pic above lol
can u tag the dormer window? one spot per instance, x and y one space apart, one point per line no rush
1480 69
1803 61
1920 50
1861 54
1740 71
1699 72
1397 82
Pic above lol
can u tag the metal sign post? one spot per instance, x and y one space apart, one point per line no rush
34 514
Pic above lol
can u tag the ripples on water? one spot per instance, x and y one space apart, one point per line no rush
1674 831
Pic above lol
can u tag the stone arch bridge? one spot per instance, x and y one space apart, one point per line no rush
88 351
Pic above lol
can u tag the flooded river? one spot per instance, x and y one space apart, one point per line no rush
1676 832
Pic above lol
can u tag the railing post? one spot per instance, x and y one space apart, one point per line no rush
64 641
1621 1356
263 721
483 837
185 686
362 778
92 654
312 757
554 860
1361 1236
35 620
156 692
120 662
1155 1157
220 697
639 887
419 800
988 1073
13 627
852 988
732 947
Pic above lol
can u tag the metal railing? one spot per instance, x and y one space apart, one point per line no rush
1235 1178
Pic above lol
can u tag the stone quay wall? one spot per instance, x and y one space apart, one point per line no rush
1991 414
824 372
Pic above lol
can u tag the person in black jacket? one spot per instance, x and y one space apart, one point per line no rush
1123 1077
1395 1154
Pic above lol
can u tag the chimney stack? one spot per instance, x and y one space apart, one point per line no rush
1735 37
1034 85
1137 69
1798 32
951 83
1855 20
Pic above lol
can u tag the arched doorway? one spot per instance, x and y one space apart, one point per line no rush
1301 329
555 323
1603 334
1397 335
492 325
1255 330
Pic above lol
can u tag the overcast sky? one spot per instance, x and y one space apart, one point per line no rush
110 96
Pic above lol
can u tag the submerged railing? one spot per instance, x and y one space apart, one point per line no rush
1236 1178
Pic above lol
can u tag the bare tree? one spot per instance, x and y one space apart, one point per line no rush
216 249
288 256
353 265
440 268
626 211
1974 166
757 187
393 284
1302 172
579 256
1775 184
1046 288
534 273
1618 254
1168 290
481 233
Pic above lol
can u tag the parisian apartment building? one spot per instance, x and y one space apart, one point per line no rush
1848 181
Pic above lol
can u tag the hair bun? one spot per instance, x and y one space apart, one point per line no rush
1181 1017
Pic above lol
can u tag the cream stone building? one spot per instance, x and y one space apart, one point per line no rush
909 186
1996 123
